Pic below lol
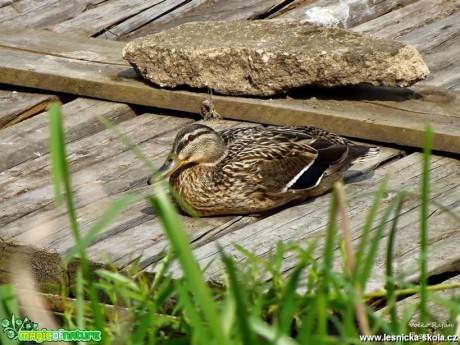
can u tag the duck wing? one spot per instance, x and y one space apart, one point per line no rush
330 158
289 158
332 161
275 159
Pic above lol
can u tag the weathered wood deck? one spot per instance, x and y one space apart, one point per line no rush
65 59
90 68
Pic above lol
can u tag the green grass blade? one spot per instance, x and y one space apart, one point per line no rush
8 307
370 219
254 258
315 323
56 145
424 214
59 167
369 259
237 292
350 264
192 272
277 264
327 259
61 177
160 273
289 300
390 281
198 328
119 279
270 333
79 302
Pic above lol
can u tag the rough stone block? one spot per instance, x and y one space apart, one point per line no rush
266 57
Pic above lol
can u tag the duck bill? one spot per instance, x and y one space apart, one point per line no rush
166 170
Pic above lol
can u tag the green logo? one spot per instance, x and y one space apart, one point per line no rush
15 325
26 330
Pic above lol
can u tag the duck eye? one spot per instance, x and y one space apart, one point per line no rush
191 137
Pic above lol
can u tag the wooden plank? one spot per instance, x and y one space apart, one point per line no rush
112 174
434 34
231 10
379 114
17 106
432 27
200 234
439 43
443 239
153 15
356 171
165 21
28 176
408 18
440 316
343 14
306 223
217 10
101 175
444 65
83 153
69 45
143 229
134 234
92 166
39 14
81 120
102 17
443 227
447 78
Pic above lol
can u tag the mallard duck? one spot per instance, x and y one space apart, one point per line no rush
255 169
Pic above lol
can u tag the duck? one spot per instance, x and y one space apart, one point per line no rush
253 170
